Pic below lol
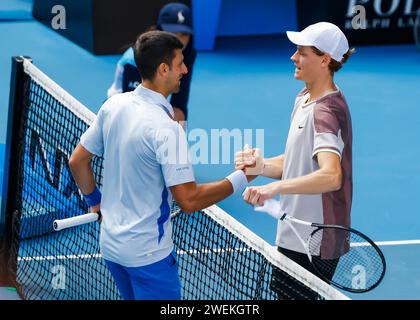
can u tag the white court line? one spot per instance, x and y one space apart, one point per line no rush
90 256
62 257
386 243
397 243
98 255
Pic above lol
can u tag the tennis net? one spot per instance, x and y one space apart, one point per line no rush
218 257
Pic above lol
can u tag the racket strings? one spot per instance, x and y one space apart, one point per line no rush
347 259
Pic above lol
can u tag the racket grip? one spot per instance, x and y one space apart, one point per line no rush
75 221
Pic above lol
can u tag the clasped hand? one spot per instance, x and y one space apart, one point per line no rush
250 160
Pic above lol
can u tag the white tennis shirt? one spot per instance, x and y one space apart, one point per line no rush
145 152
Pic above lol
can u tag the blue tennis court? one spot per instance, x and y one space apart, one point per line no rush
247 83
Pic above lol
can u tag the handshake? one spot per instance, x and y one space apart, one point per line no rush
250 161
261 197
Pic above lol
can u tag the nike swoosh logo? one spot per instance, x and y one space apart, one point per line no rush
300 127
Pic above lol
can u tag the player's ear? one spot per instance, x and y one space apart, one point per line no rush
162 69
326 59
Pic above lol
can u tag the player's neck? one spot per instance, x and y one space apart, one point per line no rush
155 87
320 88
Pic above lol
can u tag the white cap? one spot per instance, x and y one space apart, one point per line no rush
325 36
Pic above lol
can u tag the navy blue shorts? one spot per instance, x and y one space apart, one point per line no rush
156 281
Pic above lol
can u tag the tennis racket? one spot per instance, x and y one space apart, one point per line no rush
351 261
61 224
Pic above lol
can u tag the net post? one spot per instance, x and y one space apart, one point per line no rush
11 168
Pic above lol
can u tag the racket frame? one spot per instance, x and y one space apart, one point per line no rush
319 227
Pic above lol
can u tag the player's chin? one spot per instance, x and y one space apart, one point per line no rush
177 88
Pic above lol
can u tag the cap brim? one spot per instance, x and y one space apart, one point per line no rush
176 28
298 38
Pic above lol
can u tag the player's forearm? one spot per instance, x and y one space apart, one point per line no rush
320 181
273 167
83 175
207 194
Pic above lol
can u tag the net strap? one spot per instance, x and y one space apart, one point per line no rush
57 92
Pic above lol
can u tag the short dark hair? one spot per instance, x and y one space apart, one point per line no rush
153 48
334 65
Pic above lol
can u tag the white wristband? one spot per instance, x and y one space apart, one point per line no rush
238 180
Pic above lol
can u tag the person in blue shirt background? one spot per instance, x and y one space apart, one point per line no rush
175 18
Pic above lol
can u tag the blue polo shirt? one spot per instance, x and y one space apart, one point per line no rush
145 152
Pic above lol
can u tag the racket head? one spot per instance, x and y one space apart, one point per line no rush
355 264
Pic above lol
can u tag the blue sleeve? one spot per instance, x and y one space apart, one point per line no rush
127 58
126 74
130 77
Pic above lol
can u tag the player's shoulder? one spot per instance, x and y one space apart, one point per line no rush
333 102
168 127
118 97
114 101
